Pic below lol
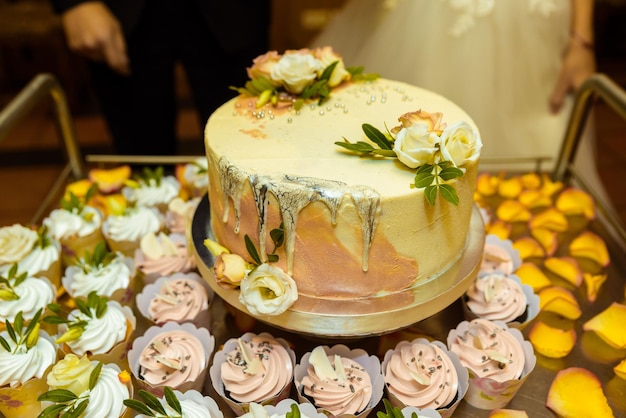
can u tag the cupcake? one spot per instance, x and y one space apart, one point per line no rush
284 408
392 411
175 404
99 328
99 388
499 256
253 368
177 298
26 355
339 381
76 225
424 375
498 360
162 255
123 231
152 189
194 177
174 355
498 297
108 273
180 214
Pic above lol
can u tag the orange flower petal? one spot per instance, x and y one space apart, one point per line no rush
566 268
590 245
487 184
507 413
78 188
620 369
534 199
609 325
528 247
532 275
110 180
559 300
510 188
499 228
513 211
112 204
550 187
547 238
531 180
552 341
550 219
593 283
564 395
574 201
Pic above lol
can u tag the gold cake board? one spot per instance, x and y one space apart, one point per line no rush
355 318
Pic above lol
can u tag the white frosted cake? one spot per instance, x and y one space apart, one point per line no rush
354 227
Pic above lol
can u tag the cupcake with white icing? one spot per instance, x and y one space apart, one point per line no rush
99 388
26 355
108 273
124 231
191 404
284 408
194 177
161 255
152 189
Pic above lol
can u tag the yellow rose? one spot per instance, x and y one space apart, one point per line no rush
16 242
230 269
460 144
71 373
327 56
416 145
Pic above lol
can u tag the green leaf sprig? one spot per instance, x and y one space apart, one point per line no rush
43 239
24 338
392 411
68 404
100 258
148 177
10 282
278 238
74 204
94 306
152 407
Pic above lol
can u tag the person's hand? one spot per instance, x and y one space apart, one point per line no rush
578 64
93 32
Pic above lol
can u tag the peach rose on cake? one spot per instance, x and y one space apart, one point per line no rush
460 144
326 55
267 290
230 269
416 145
262 66
295 70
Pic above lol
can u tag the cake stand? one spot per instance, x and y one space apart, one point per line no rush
355 318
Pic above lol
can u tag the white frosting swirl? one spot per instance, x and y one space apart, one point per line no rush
151 194
106 399
496 297
196 174
104 280
19 367
15 242
39 259
34 293
133 224
63 224
100 334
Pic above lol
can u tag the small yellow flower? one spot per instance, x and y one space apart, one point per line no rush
70 335
33 337
124 376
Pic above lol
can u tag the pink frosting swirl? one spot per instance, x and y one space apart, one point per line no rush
172 358
178 300
496 258
496 297
488 350
275 374
183 261
349 396
422 375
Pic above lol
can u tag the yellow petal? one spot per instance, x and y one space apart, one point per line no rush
609 325
550 219
559 300
590 245
110 180
566 268
532 275
529 247
507 413
564 395
549 187
530 181
552 341
513 211
574 201
620 369
487 184
499 228
548 239
78 188
593 283
534 199
510 188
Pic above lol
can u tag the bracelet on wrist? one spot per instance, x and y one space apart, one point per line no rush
578 39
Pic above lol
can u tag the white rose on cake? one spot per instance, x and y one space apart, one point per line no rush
267 290
296 70
460 144
415 146
327 56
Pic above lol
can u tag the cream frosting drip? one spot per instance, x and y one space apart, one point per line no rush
106 399
496 297
178 300
100 334
134 224
340 396
63 224
151 194
19 367
293 194
176 259
171 359
34 293
422 375
104 280
488 350
245 385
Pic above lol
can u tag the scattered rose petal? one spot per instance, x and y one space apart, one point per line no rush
531 274
531 180
573 201
559 300
79 188
110 204
550 219
510 188
550 187
529 247
564 395
507 413
593 283
620 369
534 199
609 325
552 341
110 180
547 238
487 184
499 228
592 246
513 211
566 268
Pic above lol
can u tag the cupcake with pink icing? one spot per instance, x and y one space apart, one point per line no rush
253 369
180 214
499 256
124 231
424 375
339 381
500 297
152 189
162 255
173 355
178 298
497 358
175 404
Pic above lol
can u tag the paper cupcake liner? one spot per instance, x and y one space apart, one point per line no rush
140 343
461 371
488 393
53 273
240 408
370 363
531 312
143 299
22 401
75 247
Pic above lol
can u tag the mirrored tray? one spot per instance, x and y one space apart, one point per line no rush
355 318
